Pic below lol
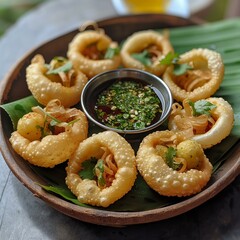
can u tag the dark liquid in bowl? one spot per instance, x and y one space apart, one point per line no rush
128 104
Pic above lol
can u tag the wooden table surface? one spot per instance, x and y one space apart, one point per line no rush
23 216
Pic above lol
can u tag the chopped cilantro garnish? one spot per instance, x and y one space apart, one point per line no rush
55 120
180 69
111 52
173 58
87 171
63 65
128 105
44 133
100 167
53 123
60 59
143 57
170 58
201 107
170 154
64 68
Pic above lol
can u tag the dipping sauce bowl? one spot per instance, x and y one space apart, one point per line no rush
102 81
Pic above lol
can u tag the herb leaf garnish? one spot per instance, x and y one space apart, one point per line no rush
55 121
170 154
201 107
66 66
173 58
180 69
100 168
143 57
88 171
111 52
170 58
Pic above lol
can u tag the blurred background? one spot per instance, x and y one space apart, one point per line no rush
11 10
209 10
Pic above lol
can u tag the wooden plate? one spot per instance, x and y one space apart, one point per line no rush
14 87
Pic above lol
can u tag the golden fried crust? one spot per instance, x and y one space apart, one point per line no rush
221 119
87 190
51 149
44 90
163 179
224 117
201 60
139 41
88 66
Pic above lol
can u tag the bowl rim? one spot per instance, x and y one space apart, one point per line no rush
122 72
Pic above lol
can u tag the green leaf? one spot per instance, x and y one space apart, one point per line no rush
219 153
18 108
141 198
100 166
143 57
170 154
64 68
180 69
87 171
201 107
170 58
54 121
111 52
65 193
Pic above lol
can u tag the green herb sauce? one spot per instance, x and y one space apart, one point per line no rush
128 105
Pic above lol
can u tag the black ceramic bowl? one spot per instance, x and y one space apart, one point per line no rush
100 82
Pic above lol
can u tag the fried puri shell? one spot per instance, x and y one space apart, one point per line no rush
224 119
45 90
52 149
163 179
92 67
221 118
139 41
87 191
200 82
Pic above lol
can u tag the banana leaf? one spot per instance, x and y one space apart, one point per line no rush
220 36
18 108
